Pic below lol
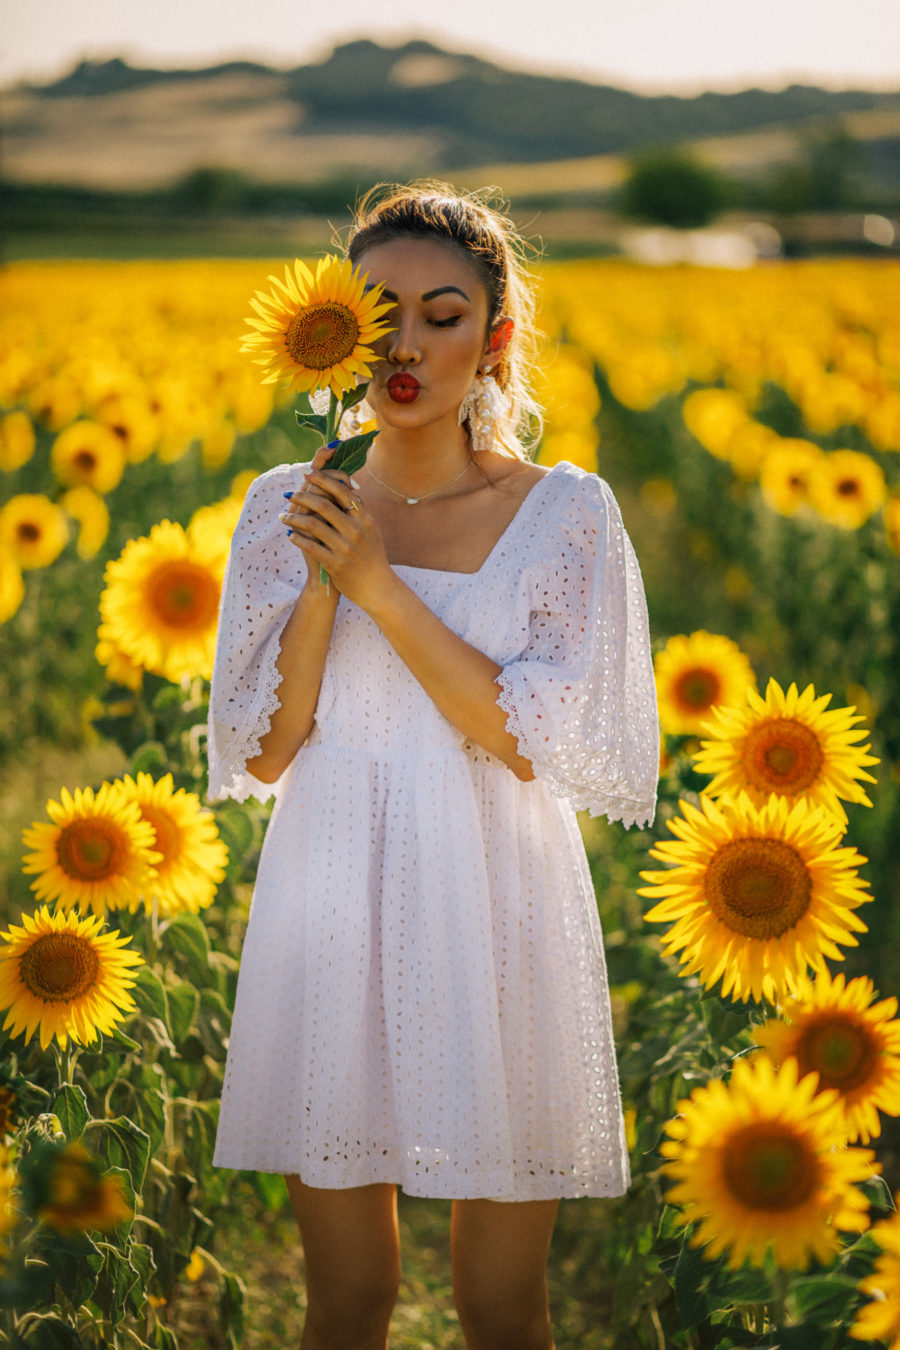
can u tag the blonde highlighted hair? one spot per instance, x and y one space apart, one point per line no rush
474 223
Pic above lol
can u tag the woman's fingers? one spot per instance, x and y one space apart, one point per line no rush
314 504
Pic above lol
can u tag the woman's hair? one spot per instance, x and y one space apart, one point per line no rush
468 221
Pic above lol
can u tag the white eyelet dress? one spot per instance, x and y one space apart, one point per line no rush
422 996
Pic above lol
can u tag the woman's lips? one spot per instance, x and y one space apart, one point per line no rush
403 388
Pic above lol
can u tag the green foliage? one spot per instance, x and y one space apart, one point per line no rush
672 187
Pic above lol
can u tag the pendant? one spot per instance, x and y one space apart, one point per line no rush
412 501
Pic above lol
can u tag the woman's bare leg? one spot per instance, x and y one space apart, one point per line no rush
352 1250
499 1254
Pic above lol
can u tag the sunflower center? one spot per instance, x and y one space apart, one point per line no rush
322 335
183 594
89 849
781 755
848 487
842 1051
85 461
758 887
28 532
59 967
167 836
697 689
766 1166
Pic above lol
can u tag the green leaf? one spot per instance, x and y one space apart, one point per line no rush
151 1103
314 421
70 1106
125 1144
124 1179
74 1263
182 1000
165 1339
151 757
797 1338
231 1304
877 1192
187 934
354 396
119 1038
828 1295
51 1333
149 994
350 454
238 832
270 1188
690 1275
141 1258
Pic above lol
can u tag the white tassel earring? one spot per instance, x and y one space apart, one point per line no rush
354 419
482 408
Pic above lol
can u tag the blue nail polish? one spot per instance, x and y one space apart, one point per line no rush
289 533
332 445
287 494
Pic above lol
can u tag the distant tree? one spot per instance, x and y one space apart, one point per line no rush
824 179
673 187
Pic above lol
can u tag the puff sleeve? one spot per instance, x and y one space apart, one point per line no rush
581 699
263 577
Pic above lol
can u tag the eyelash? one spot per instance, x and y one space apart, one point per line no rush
447 323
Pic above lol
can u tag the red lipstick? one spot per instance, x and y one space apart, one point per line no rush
403 388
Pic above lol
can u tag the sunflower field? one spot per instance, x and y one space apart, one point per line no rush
749 423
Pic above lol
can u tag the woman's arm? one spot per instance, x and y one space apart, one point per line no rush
301 662
458 678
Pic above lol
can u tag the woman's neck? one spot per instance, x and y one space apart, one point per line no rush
420 460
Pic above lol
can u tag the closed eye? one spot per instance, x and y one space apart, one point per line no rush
447 323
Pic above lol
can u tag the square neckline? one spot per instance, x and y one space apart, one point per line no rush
451 572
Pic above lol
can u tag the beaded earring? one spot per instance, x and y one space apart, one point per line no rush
355 418
482 407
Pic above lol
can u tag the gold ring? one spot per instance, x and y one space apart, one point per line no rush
354 504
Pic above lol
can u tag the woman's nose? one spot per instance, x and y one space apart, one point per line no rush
403 343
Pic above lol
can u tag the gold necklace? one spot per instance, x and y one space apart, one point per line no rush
414 501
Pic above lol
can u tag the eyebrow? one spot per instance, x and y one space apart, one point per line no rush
429 295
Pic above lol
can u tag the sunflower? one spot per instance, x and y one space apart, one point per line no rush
12 587
713 417
17 440
785 473
8 1208
695 672
892 523
315 330
88 454
787 743
852 1043
757 1164
98 853
130 418
880 1319
89 510
79 1196
33 529
756 895
847 488
160 607
118 668
193 857
62 976
214 525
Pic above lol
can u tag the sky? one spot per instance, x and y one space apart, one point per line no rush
653 46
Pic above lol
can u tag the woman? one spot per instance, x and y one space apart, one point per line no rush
422 997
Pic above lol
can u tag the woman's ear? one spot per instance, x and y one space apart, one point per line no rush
498 341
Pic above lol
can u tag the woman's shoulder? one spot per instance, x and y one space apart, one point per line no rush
568 485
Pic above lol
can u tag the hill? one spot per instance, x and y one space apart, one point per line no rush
375 111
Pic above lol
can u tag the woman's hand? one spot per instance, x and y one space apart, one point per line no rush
332 526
